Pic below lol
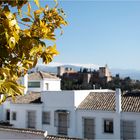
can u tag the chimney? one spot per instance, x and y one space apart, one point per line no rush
118 100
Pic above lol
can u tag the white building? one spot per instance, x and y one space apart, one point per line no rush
109 115
40 81
91 114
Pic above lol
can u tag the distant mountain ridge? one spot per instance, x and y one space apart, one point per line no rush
52 68
133 74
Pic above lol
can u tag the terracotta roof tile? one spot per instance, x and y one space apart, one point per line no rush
131 102
41 75
99 101
106 101
30 98
35 132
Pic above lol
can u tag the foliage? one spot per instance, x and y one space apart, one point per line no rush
77 83
20 48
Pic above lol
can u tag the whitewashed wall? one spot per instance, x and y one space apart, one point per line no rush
132 116
53 84
56 100
64 100
21 111
69 100
6 106
99 116
80 95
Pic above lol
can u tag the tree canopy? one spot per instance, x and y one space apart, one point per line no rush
20 48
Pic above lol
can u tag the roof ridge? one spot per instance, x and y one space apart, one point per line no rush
41 75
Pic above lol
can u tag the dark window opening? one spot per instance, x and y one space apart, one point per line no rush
33 84
89 128
31 119
45 117
14 116
108 126
8 115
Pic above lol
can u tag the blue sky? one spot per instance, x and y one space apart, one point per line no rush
101 32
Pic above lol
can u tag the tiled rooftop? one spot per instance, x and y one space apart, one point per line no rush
131 102
29 98
40 75
99 101
35 132
106 101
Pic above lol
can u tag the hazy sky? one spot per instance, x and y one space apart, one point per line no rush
101 32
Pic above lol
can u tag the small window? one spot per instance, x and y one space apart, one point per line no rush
108 126
89 128
31 119
7 114
128 129
14 116
46 118
33 84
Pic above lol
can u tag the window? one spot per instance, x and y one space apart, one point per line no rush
62 121
108 126
7 114
128 129
33 84
31 119
56 117
89 128
14 116
45 117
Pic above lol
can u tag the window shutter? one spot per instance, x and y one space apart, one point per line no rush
55 118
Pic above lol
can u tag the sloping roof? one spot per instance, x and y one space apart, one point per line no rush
106 102
29 98
41 75
99 101
35 132
131 102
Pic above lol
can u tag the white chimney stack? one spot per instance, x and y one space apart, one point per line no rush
118 100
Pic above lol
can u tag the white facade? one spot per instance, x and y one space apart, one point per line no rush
62 100
64 105
5 107
43 83
21 115
99 116
46 85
